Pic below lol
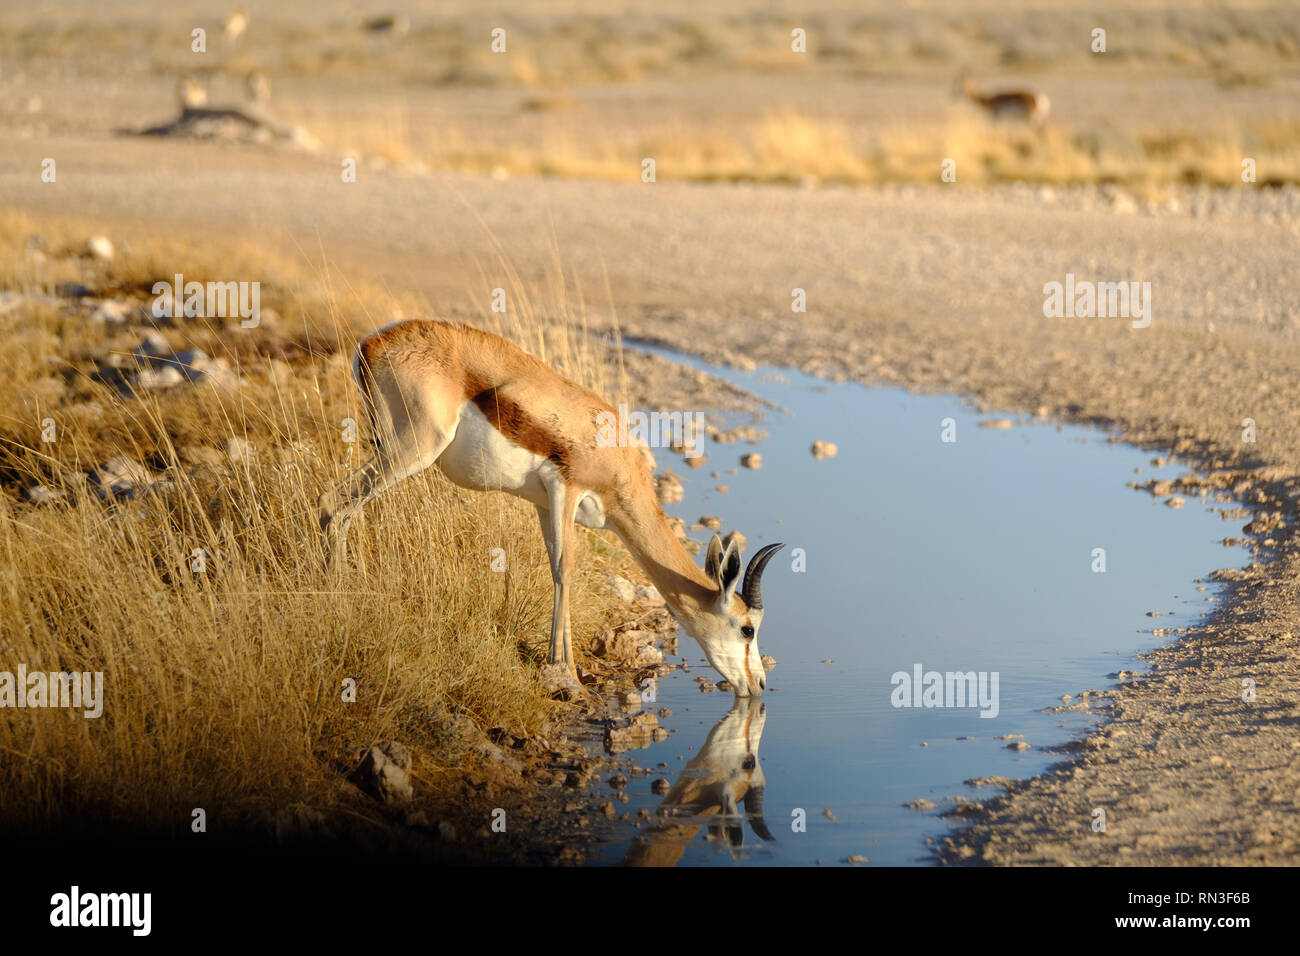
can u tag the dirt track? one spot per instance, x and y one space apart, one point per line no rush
937 288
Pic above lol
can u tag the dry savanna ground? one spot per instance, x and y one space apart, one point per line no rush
130 447
725 93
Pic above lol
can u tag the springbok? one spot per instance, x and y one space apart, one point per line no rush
258 87
1010 104
724 777
235 26
495 418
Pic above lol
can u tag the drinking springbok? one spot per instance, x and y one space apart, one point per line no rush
495 418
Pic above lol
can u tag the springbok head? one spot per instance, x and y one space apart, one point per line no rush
729 634
721 788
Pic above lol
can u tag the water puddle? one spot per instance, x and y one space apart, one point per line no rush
975 555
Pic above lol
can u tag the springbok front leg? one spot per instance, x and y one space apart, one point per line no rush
558 531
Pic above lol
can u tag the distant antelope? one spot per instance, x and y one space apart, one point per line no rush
235 26
495 418
1010 104
724 777
258 87
397 25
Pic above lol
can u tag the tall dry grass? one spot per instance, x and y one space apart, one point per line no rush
787 147
223 687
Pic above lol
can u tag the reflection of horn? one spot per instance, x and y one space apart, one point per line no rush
754 810
751 590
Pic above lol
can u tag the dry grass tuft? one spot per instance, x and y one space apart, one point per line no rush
223 687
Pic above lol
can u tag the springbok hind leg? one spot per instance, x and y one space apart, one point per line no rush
344 501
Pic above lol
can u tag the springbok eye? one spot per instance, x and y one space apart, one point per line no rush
747 632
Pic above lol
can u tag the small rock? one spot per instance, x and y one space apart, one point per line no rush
628 647
618 781
649 594
829 815
44 495
768 662
855 859
151 348
165 377
669 490
190 362
99 247
825 449
753 460
113 312
710 522
660 786
624 589
121 477
385 772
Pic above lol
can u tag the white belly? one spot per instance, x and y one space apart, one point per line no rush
482 459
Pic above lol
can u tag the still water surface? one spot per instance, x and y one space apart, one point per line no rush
973 555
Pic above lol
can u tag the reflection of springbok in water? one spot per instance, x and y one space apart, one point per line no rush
723 777
1011 104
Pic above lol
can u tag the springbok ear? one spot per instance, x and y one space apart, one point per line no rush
713 558
729 571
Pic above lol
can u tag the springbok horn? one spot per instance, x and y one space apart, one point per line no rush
754 811
751 590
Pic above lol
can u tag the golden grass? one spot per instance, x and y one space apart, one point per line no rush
786 147
223 688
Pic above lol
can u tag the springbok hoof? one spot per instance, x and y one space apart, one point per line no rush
560 682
